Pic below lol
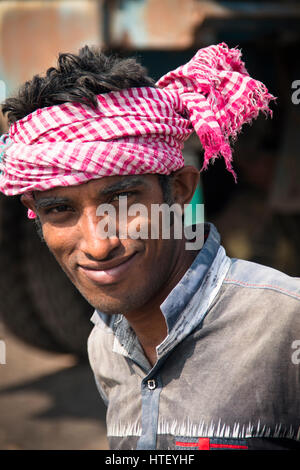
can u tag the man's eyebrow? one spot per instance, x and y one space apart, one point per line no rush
47 201
43 202
123 184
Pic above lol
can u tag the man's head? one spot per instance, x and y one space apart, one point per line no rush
80 78
66 216
70 228
95 119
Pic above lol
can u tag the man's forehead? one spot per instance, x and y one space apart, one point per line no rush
99 185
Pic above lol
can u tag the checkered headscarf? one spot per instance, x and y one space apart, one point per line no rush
136 130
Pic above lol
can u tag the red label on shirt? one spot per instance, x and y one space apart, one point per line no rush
207 443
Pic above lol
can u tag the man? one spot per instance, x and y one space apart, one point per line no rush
190 349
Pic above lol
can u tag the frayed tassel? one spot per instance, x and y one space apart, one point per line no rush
31 214
246 111
215 145
215 87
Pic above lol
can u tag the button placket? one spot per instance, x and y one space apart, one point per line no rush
151 388
151 384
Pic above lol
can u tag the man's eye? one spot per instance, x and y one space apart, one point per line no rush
115 197
57 209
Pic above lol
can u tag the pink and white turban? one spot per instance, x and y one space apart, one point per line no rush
136 130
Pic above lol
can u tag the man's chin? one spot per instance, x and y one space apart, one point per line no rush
111 306
108 309
123 300
105 303
115 306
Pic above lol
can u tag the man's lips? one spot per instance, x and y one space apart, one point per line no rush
110 272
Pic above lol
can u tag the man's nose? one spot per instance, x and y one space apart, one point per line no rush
91 243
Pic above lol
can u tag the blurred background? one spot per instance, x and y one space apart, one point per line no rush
48 398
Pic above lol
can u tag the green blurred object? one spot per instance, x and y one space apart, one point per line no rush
194 213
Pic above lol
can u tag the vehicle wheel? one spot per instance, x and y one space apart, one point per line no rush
17 310
61 308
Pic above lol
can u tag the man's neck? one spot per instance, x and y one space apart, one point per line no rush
149 324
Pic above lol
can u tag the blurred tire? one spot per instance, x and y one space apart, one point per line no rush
62 309
38 302
17 310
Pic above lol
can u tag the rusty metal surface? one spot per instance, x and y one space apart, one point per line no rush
171 24
285 191
48 401
32 33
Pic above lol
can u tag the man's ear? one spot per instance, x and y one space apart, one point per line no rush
184 184
28 202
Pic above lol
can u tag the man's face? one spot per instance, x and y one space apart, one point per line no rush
115 275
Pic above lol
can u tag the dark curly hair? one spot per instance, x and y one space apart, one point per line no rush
79 78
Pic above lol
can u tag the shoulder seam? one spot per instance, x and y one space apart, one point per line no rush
262 286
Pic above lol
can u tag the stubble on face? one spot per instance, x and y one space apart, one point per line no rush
145 278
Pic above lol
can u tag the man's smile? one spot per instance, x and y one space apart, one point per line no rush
109 272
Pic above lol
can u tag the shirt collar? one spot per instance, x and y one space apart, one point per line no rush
182 293
185 306
188 303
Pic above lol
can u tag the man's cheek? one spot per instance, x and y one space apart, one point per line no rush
146 227
139 228
57 243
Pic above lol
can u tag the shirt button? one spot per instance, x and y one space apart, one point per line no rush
151 384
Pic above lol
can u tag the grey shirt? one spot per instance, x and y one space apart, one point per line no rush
227 375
